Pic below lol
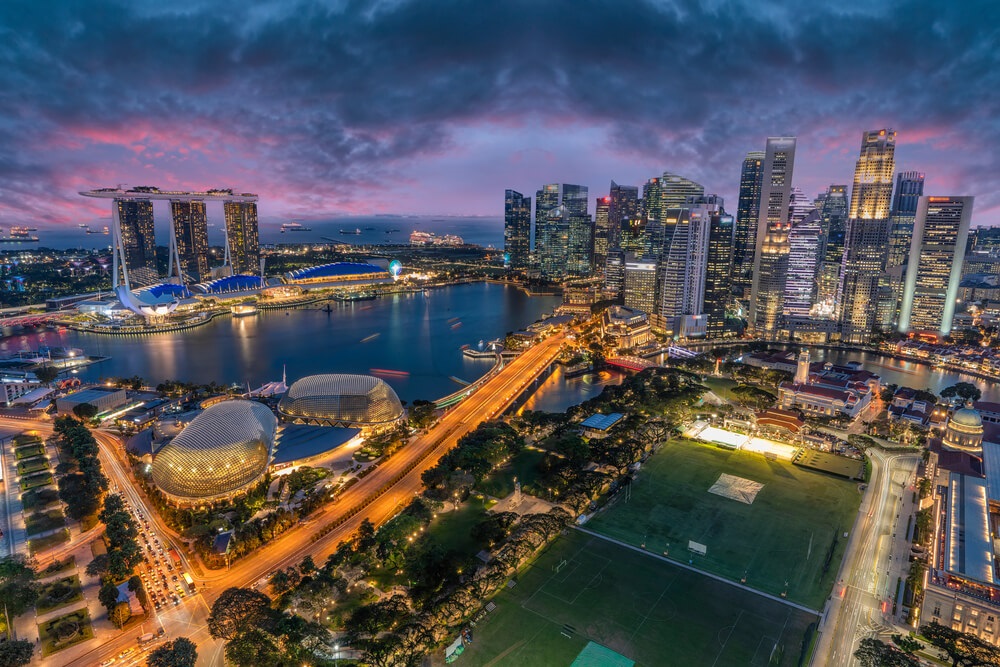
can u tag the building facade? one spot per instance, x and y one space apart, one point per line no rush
745 233
135 219
517 229
771 255
640 285
719 271
602 233
242 239
805 241
833 218
191 236
937 250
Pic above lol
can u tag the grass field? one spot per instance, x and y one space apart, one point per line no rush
647 610
792 532
59 593
40 522
35 480
28 451
64 631
38 544
523 465
32 465
721 386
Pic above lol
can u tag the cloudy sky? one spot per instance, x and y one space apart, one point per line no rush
434 107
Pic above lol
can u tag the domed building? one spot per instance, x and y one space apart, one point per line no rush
356 401
220 454
964 430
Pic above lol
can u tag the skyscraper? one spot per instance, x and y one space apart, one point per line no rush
867 236
799 206
580 245
745 235
191 235
640 285
683 268
574 198
546 200
242 237
652 199
614 273
718 270
135 217
517 229
833 218
552 243
624 206
771 257
675 190
909 189
602 233
804 241
940 232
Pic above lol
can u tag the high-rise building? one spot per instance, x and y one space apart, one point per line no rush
804 241
867 237
191 237
135 217
718 270
745 235
602 233
614 273
771 257
640 285
580 245
799 206
517 229
242 237
624 206
552 243
574 198
675 190
652 199
546 200
937 250
909 189
833 219
683 268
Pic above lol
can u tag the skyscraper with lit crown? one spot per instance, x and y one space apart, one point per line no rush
867 236
242 237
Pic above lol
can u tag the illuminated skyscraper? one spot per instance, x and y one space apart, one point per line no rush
517 229
574 198
614 273
552 243
624 206
602 233
675 190
867 236
191 236
242 237
640 285
135 219
652 199
833 218
940 232
546 200
745 235
558 209
771 257
804 241
580 245
909 189
718 270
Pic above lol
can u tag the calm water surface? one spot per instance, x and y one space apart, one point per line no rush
416 336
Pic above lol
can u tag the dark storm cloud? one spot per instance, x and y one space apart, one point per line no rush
331 103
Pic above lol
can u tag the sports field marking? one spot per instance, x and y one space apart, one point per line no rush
732 629
676 563
645 617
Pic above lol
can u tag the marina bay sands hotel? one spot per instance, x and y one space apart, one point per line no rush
135 244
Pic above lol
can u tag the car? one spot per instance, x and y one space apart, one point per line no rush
174 578
109 661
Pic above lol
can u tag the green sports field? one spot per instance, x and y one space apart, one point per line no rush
645 609
793 531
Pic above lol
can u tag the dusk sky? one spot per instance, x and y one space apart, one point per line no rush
435 107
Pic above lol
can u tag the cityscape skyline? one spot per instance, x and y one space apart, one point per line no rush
338 148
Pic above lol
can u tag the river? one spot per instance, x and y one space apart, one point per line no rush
417 337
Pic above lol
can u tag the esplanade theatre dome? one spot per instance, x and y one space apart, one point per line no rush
358 401
222 452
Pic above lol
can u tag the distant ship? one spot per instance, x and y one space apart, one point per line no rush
21 231
82 226
355 232
294 227
104 230
18 235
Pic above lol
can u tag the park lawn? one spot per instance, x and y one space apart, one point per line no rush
38 544
39 497
57 566
645 609
35 480
523 465
721 386
40 522
793 532
32 465
26 439
65 631
27 451
59 593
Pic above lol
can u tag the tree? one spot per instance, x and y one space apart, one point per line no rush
873 653
236 611
962 649
108 596
181 652
98 566
965 391
85 411
120 614
15 653
307 566
251 648
46 373
18 589
906 643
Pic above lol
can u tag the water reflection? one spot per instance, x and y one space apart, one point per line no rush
558 392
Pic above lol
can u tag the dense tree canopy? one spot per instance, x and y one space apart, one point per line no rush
237 611
15 653
180 652
18 588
